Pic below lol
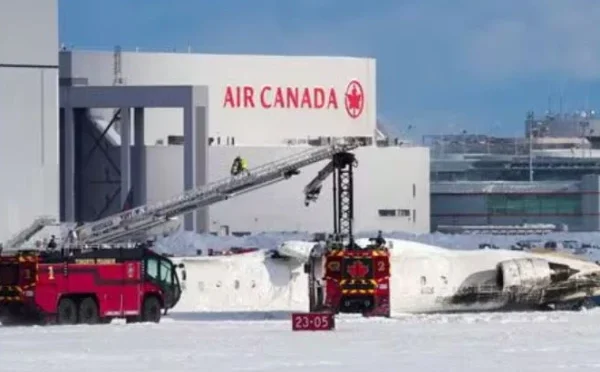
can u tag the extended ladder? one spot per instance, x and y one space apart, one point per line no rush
24 235
125 224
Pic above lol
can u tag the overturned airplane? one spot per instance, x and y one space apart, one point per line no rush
423 279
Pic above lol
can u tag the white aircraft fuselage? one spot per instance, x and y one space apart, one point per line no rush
424 279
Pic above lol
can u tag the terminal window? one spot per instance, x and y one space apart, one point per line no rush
394 212
526 204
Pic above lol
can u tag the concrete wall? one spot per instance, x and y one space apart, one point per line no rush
259 76
384 179
28 112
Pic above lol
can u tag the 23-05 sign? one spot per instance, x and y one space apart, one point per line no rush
313 322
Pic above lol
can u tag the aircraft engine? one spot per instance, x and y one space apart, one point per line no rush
528 274
523 274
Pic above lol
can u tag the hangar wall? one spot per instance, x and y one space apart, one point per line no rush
391 190
391 185
254 99
256 104
28 113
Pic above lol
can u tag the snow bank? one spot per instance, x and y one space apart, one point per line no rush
186 243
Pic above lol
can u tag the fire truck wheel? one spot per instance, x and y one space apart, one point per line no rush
88 311
67 312
151 310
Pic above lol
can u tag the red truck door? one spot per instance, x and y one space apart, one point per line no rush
51 282
132 288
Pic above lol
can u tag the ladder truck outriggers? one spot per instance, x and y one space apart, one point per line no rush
343 277
100 272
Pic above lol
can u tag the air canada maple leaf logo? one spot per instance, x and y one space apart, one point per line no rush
358 269
354 99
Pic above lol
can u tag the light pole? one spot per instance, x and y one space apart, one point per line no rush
530 155
530 135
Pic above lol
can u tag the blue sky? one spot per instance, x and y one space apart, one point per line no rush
442 66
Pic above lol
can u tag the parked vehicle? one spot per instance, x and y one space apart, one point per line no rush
91 285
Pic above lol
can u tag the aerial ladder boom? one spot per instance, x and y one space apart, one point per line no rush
129 223
313 189
28 232
341 167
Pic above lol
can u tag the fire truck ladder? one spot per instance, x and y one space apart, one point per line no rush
24 235
341 166
121 226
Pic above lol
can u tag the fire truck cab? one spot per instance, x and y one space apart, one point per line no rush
88 285
350 281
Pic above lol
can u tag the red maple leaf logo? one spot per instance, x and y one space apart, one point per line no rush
358 269
355 99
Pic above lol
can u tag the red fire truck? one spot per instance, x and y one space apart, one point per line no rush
89 286
357 281
343 277
352 281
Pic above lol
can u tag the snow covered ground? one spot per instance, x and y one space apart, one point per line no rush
263 341
554 341
186 243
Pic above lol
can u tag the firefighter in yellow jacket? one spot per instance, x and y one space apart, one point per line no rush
240 165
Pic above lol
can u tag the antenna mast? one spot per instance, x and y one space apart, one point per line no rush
117 73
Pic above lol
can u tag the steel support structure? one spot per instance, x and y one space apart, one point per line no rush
193 100
343 196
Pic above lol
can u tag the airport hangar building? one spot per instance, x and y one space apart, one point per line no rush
29 152
64 160
260 107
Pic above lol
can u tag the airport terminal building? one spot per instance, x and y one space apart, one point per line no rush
571 205
481 181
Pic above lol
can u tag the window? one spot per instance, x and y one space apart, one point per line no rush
394 212
414 190
548 206
152 267
524 204
160 270
414 215
568 205
387 213
165 272
403 213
